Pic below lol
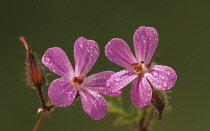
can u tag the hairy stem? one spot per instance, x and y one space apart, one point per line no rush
40 121
146 118
149 119
45 109
143 116
42 101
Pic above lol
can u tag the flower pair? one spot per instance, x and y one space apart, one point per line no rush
74 82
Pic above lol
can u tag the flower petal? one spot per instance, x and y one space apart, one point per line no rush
56 61
61 92
120 79
118 51
93 104
145 41
86 53
141 92
162 77
97 82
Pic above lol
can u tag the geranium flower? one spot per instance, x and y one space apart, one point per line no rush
139 68
63 91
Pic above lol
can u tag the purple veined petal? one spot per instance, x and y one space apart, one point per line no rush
56 61
110 92
141 92
120 79
118 51
86 53
145 41
93 104
97 82
61 92
162 77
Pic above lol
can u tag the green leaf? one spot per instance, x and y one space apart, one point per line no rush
123 119
131 117
115 105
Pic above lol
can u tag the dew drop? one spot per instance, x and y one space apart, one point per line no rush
81 45
146 74
47 59
155 73
168 73
117 79
164 84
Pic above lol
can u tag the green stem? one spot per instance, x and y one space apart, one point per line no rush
146 118
46 109
149 119
143 116
40 121
42 101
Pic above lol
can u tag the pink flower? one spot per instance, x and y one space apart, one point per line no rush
63 91
139 68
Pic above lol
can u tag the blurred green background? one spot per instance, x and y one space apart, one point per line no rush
184 33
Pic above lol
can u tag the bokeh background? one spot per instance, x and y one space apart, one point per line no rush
184 44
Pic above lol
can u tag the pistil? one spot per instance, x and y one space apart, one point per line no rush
140 68
77 81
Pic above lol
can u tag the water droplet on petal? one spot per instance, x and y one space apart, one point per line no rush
146 74
164 84
81 45
117 79
47 59
155 73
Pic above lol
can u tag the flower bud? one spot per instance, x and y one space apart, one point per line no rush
35 74
158 100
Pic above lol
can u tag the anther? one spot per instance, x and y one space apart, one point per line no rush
78 80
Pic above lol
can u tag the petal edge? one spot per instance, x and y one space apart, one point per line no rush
120 79
93 104
118 51
61 92
162 77
56 60
86 53
145 42
141 92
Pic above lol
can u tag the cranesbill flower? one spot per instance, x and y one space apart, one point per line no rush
139 68
63 91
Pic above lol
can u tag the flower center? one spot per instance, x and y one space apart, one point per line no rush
141 68
77 81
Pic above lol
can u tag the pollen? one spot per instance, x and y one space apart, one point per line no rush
77 81
140 68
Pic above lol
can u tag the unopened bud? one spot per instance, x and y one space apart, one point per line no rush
35 74
158 100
